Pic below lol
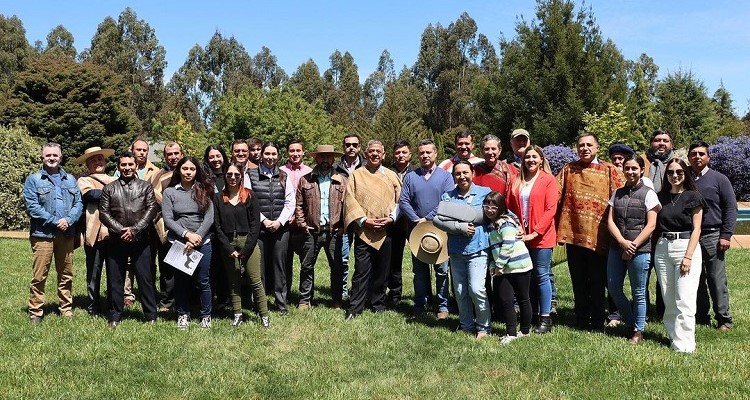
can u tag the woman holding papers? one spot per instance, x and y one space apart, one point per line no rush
188 212
237 222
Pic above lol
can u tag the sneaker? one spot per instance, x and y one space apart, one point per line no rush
237 321
183 321
508 338
206 322
553 309
265 321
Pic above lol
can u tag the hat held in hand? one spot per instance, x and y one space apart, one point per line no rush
428 243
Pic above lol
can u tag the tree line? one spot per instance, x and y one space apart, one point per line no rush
558 75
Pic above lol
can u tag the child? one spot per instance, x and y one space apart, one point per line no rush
510 263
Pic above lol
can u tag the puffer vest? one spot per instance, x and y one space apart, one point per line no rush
630 212
269 191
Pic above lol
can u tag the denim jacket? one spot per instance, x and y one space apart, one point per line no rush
39 194
459 243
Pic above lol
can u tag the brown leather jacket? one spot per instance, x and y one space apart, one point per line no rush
128 205
307 210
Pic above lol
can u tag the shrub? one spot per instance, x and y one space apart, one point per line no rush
19 157
731 157
558 155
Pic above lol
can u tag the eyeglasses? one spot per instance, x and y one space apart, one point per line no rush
233 174
490 208
351 144
675 172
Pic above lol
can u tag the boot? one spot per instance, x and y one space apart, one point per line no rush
545 325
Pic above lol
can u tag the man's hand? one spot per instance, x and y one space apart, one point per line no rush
724 244
62 224
127 235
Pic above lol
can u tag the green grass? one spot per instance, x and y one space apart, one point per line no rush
317 354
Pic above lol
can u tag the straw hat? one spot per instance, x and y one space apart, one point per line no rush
428 243
325 149
92 151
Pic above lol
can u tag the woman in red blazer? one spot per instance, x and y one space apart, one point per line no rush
533 198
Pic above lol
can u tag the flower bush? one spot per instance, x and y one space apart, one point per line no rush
731 157
558 155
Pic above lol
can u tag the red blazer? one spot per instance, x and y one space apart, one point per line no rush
542 209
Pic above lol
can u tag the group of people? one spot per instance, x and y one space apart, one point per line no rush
485 224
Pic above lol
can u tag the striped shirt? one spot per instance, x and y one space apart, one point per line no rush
508 250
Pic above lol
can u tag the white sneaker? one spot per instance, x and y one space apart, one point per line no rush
183 321
237 321
508 338
206 322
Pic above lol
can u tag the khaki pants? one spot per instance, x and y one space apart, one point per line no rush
61 247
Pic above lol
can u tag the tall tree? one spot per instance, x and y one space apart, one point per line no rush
728 122
15 52
640 106
342 91
266 72
130 48
556 68
307 81
223 66
375 84
60 40
685 108
78 105
450 59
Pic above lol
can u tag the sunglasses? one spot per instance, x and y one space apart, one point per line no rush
675 172
351 144
490 208
233 174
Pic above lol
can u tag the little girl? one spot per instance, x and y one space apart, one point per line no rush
511 263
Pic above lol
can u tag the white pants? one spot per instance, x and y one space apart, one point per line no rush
679 292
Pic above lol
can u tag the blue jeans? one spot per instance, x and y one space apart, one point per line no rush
183 284
422 284
469 272
637 270
541 299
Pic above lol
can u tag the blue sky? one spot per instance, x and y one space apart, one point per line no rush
708 38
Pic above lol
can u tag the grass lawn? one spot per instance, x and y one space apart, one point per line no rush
317 354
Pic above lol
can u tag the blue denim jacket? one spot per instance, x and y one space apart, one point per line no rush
39 194
462 244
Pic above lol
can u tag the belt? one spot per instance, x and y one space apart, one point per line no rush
675 235
711 229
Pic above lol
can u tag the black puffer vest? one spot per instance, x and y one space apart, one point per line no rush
630 212
269 191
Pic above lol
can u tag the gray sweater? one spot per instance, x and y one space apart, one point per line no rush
181 213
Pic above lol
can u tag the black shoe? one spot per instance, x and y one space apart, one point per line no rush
545 325
113 324
349 316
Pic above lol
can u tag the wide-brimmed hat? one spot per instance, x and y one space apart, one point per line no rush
325 149
92 151
428 243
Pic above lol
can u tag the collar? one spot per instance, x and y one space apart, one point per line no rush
267 170
429 171
702 172
291 166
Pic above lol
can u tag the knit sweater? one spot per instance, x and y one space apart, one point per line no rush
508 250
721 210
182 213
420 197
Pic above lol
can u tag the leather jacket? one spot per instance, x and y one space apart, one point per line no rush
307 211
128 205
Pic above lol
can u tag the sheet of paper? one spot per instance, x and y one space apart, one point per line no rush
177 258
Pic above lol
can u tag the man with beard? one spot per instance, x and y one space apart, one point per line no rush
300 240
659 152
464 146
371 206
127 209
319 211
54 204
95 234
160 181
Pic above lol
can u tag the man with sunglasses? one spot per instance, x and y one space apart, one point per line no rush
347 164
719 219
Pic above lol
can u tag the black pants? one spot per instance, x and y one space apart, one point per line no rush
370 275
398 242
332 245
117 262
273 252
508 286
588 276
300 243
166 275
218 277
95 256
